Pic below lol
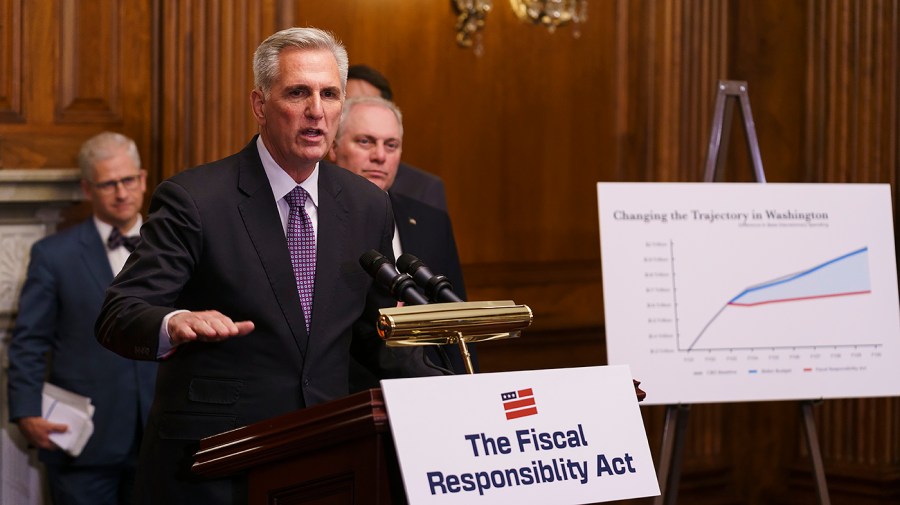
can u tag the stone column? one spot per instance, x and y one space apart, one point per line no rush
31 202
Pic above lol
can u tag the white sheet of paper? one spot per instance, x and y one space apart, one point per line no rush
75 411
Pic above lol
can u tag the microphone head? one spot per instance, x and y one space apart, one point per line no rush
406 262
400 286
372 260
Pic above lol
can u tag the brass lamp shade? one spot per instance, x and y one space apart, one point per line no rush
446 323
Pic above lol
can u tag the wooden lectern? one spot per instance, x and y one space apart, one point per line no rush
338 452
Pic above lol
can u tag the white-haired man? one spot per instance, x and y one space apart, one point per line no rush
247 283
369 142
61 298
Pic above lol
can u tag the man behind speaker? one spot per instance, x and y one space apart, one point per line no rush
413 182
67 278
369 142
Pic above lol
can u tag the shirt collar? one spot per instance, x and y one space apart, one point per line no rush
105 228
281 182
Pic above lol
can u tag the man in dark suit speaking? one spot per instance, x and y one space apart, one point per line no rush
247 283
369 142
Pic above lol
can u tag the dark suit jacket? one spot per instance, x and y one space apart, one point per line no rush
214 240
426 233
420 185
67 278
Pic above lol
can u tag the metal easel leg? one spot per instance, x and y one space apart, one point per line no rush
720 130
669 472
815 455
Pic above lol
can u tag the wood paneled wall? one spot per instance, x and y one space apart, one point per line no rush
852 134
69 70
204 76
852 76
520 135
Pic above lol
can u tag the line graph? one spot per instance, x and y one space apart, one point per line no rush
845 275
734 292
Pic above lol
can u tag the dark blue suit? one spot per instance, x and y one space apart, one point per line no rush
61 298
420 185
426 233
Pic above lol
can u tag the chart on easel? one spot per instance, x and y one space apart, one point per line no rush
751 292
824 302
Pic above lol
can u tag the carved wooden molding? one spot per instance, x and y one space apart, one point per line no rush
90 62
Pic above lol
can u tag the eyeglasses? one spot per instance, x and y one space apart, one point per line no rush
130 183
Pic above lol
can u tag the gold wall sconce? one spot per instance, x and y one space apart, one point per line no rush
471 14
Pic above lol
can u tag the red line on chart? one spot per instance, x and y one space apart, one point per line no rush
735 304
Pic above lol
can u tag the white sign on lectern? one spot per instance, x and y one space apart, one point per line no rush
565 436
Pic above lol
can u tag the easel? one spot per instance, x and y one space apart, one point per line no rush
672 447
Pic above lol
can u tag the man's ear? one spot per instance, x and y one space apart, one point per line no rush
86 189
257 104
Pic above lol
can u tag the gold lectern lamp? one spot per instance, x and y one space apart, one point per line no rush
449 323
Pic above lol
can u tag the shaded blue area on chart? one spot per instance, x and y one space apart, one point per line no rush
845 274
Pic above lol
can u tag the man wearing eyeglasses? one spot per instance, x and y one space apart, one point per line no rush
61 298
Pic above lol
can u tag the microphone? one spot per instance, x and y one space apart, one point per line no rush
401 286
437 287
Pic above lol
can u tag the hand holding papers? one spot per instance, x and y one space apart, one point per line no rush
73 410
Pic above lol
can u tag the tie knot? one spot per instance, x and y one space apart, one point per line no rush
296 198
116 239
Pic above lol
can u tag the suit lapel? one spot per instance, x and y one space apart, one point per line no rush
406 223
263 225
93 254
329 240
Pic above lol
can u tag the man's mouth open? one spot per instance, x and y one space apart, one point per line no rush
312 133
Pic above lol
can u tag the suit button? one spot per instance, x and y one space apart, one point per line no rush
306 383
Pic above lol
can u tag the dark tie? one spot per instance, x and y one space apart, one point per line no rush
116 239
302 246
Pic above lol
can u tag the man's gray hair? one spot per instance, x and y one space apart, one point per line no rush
371 100
265 59
102 147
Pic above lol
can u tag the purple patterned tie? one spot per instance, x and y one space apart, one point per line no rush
302 246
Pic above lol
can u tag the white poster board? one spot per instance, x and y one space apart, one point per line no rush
565 436
743 292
